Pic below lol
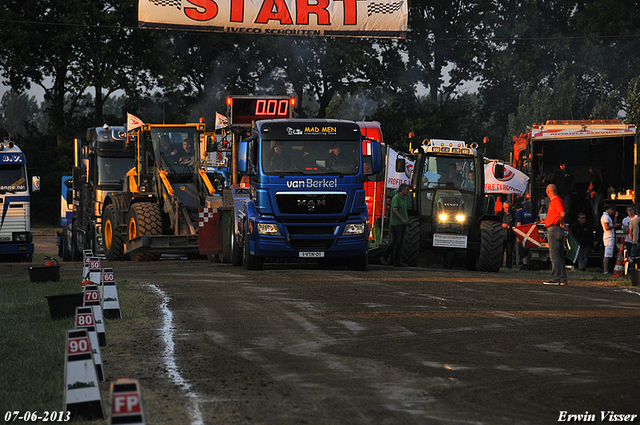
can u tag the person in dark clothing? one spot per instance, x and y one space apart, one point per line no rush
594 192
508 221
583 232
563 179
523 216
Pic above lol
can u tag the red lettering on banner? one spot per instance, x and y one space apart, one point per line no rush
210 10
237 10
267 12
350 12
304 9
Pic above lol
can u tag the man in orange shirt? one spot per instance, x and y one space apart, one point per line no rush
555 235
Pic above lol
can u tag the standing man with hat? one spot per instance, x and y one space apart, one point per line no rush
555 235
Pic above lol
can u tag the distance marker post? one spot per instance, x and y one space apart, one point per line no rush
110 300
81 389
94 270
92 298
126 402
86 257
85 320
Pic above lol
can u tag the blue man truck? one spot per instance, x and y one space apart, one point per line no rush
305 196
16 240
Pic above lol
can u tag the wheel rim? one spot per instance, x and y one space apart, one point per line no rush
133 229
108 234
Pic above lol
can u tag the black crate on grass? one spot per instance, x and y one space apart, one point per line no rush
64 305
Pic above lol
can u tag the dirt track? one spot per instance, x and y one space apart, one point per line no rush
302 344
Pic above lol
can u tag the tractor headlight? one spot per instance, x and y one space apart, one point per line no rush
354 229
460 218
443 217
268 229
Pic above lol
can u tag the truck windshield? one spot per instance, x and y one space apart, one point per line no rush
113 170
449 172
12 178
305 157
175 147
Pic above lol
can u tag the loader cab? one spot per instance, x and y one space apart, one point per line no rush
175 150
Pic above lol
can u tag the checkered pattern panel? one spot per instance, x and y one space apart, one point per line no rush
384 8
205 216
173 3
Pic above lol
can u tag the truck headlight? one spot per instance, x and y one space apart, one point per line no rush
443 217
21 237
460 218
268 229
354 229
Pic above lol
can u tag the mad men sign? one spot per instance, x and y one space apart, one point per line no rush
331 18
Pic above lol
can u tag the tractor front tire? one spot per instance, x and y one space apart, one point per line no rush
411 244
490 256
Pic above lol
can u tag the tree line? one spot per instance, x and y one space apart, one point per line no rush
528 62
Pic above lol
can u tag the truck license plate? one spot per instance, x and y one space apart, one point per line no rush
311 254
449 241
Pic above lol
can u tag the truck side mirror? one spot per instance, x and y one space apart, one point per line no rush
35 183
242 157
377 163
400 165
498 170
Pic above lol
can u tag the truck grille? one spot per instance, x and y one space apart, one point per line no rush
311 203
311 243
311 230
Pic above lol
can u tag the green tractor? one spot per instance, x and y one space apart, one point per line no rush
449 210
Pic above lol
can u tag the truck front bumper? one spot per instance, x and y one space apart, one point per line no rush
310 240
16 248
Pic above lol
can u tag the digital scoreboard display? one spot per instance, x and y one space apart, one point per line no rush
244 110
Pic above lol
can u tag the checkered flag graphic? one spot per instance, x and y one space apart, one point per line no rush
174 3
205 215
384 8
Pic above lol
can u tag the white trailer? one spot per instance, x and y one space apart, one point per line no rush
16 240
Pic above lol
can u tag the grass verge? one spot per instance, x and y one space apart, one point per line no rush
32 345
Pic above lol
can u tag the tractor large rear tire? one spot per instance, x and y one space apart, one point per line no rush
113 241
411 244
490 257
145 218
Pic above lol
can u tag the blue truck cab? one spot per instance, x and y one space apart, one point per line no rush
305 196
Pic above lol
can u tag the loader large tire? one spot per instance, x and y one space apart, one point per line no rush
490 256
113 240
411 244
145 218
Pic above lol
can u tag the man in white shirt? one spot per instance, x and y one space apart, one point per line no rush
609 235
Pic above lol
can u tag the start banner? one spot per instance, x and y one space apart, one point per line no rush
330 18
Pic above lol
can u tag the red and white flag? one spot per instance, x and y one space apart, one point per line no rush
221 121
133 122
528 235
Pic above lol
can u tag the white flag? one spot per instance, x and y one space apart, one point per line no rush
133 122
513 181
394 179
221 121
